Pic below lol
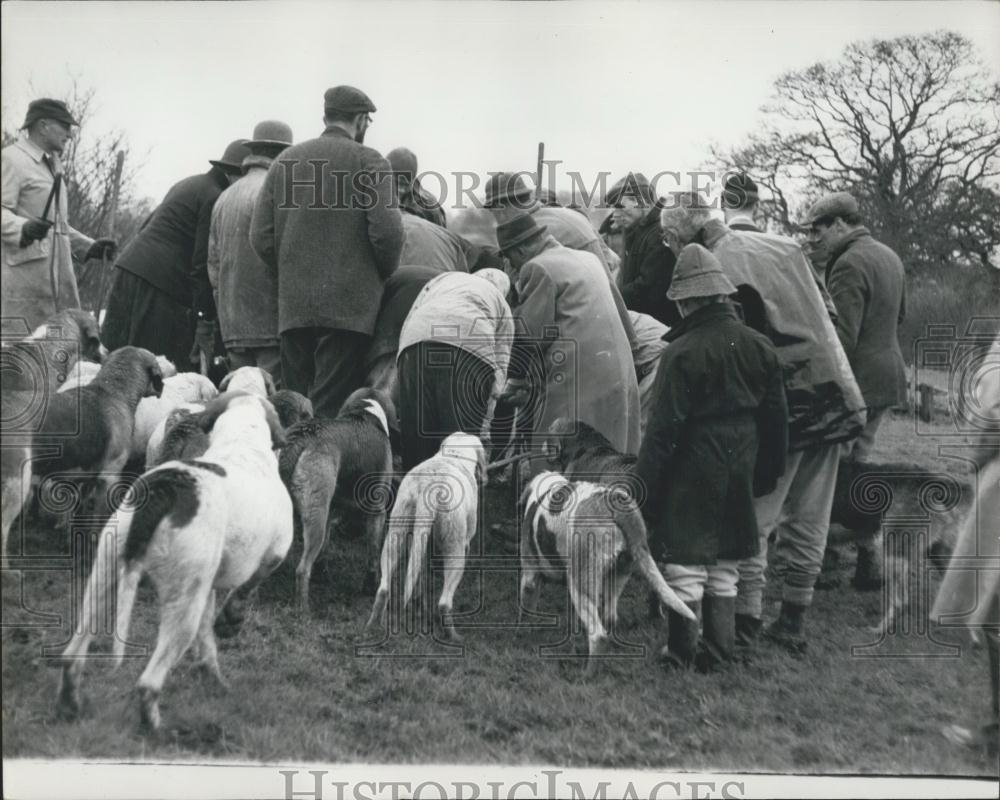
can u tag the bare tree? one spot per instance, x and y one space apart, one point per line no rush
910 126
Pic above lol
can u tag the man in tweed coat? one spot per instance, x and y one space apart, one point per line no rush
326 223
245 289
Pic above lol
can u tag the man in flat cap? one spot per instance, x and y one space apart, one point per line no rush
569 342
327 224
38 243
245 287
867 283
648 265
716 439
411 196
161 298
779 298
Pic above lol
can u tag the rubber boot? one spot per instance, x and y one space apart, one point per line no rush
718 641
786 630
747 632
868 571
682 638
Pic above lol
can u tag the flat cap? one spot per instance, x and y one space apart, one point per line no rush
47 108
348 100
838 204
402 160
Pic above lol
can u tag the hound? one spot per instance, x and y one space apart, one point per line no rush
438 497
591 536
90 427
248 379
84 372
198 529
292 407
187 387
347 460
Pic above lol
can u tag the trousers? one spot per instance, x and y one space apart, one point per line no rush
798 512
324 364
691 583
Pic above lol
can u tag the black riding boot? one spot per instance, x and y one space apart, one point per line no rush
786 630
718 644
682 638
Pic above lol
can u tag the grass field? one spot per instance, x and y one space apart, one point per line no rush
302 691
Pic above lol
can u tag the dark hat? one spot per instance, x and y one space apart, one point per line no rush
271 132
698 273
547 198
739 191
636 185
347 100
838 204
518 230
505 186
402 160
47 108
232 159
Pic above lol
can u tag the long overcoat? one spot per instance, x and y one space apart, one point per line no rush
26 274
566 314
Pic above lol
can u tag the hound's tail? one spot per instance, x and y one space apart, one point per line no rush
629 521
418 554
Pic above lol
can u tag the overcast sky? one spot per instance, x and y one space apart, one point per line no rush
466 85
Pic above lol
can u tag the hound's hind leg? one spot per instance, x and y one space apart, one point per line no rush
314 494
180 618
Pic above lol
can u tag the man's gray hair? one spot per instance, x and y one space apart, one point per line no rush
684 213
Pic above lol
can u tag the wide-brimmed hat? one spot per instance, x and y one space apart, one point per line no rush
837 204
347 100
517 231
271 132
698 273
635 185
232 159
47 108
506 186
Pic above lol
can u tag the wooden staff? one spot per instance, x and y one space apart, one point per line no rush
105 283
538 170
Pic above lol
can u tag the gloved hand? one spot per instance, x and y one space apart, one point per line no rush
204 342
33 230
517 392
101 248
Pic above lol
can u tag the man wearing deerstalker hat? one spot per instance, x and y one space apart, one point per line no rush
38 243
570 348
716 438
246 292
161 298
327 226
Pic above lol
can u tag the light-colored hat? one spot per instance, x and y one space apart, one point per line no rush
838 204
698 274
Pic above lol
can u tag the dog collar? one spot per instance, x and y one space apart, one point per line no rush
376 411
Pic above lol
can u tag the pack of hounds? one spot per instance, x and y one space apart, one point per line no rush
220 476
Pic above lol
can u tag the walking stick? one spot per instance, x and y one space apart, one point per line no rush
104 285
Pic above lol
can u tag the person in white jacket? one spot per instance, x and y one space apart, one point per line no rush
453 355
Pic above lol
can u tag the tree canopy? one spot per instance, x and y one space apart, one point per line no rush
910 126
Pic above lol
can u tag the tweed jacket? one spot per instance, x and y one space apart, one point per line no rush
868 286
327 224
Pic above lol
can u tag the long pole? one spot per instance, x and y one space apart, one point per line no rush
538 170
116 182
